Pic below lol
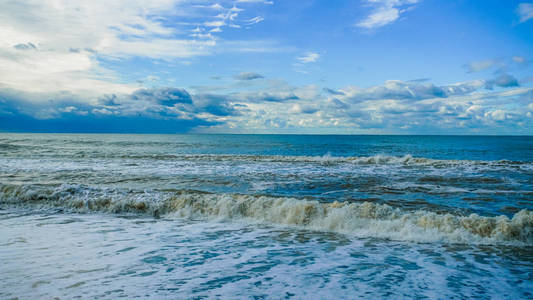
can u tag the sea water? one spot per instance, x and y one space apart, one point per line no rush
265 216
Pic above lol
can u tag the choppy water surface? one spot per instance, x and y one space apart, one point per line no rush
169 216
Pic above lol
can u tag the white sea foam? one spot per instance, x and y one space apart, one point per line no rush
97 256
379 159
357 219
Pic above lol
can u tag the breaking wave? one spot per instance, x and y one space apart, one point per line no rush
325 159
356 219
379 159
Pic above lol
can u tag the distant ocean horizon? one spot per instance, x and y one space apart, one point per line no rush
254 133
266 215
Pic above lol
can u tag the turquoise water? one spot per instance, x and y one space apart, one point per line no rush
275 216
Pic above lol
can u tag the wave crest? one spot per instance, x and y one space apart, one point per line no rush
328 159
356 219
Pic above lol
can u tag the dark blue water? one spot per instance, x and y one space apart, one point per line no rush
516 148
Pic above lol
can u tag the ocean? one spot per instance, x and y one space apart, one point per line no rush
265 216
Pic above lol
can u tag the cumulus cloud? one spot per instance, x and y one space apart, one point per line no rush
525 11
463 88
303 109
178 103
335 103
415 106
394 89
497 115
266 96
384 12
276 106
216 105
503 80
148 104
163 96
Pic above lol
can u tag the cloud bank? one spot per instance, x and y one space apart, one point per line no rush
497 105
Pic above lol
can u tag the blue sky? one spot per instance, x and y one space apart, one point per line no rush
261 66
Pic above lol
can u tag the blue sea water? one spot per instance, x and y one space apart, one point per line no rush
266 216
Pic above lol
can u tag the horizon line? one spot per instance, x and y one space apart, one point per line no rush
294 134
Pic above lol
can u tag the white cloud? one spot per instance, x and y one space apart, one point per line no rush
308 57
496 115
384 12
68 109
217 6
46 71
525 11
276 106
68 36
57 45
102 111
303 109
218 23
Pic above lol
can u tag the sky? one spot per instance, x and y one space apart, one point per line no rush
267 66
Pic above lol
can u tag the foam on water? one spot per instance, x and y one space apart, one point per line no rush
357 219
379 159
49 255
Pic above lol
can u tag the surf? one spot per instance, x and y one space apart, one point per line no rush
361 220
